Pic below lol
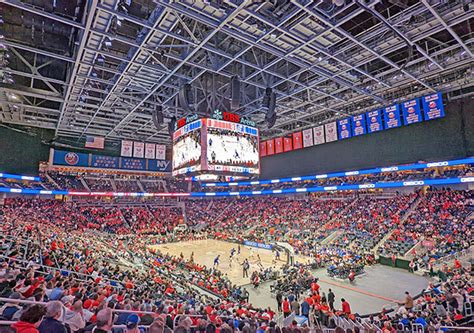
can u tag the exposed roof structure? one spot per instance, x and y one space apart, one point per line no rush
101 67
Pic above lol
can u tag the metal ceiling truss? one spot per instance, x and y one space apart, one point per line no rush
116 62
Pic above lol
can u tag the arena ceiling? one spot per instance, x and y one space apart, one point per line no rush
101 67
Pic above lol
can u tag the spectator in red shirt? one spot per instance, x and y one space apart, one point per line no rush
286 307
346 308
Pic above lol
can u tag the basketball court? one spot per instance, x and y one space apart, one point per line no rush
205 251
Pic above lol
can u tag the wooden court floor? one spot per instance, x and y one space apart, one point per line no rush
206 250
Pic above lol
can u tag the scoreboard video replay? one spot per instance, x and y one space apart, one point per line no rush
225 144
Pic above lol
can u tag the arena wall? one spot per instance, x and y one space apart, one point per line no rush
447 138
21 153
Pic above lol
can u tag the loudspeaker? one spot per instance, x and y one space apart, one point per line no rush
171 125
266 98
157 117
235 91
184 98
271 121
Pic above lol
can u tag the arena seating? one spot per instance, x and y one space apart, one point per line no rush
95 251
84 269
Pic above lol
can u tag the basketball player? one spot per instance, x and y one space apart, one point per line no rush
216 261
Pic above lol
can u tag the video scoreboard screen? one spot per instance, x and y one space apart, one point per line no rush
232 147
187 148
216 146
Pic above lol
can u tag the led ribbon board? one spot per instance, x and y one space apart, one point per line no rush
329 188
415 166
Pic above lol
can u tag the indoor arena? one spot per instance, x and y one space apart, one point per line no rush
236 166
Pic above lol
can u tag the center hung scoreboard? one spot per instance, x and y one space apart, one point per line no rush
225 144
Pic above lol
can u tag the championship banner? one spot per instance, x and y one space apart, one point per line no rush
374 121
138 149
411 111
287 144
433 106
318 132
358 125
150 151
263 149
391 115
160 152
278 145
331 132
308 137
127 147
270 147
344 128
297 140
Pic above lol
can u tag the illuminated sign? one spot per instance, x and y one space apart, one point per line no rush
232 117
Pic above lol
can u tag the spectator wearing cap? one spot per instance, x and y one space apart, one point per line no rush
30 319
132 324
51 323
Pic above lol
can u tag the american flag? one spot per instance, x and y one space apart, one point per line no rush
94 142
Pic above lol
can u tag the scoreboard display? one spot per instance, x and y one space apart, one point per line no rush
215 146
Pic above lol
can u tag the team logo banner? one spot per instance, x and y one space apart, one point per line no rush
308 137
391 116
288 144
138 149
278 145
433 106
70 158
344 128
159 165
160 152
331 132
150 151
270 147
358 125
297 140
411 111
127 147
374 121
318 132
263 149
